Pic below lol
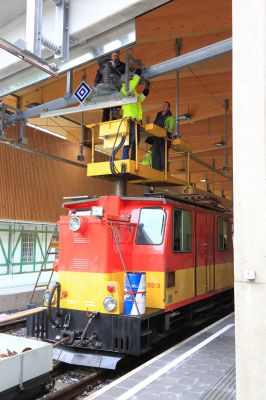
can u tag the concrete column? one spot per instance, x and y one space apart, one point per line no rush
249 157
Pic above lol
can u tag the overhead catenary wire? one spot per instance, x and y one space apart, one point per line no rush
205 87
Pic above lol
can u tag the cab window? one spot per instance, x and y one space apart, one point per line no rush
222 234
182 228
151 226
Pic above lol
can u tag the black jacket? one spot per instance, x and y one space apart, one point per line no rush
160 118
119 66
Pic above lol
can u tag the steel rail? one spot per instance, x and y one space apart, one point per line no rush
74 389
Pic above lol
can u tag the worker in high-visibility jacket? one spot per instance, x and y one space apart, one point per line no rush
134 111
165 120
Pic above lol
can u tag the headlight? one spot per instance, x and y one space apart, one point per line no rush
74 224
46 298
109 303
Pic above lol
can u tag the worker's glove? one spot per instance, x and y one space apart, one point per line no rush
147 83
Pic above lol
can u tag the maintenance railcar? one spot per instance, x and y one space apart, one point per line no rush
185 250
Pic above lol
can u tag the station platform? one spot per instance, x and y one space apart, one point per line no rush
16 290
200 368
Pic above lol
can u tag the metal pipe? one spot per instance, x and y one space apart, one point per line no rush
213 175
226 106
92 144
208 166
127 74
69 82
22 130
178 47
2 119
165 157
188 170
203 54
136 145
80 156
120 186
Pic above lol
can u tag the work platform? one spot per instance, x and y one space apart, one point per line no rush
134 172
200 368
106 137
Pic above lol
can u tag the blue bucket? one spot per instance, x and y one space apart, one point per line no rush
135 293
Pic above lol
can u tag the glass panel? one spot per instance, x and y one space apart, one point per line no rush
151 226
222 234
27 247
182 230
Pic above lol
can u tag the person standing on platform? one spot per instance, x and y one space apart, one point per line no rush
165 120
134 111
120 67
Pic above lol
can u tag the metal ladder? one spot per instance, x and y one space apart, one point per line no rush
51 250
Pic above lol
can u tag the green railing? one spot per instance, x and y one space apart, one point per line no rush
23 246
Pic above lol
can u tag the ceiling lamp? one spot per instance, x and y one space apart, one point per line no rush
219 144
184 117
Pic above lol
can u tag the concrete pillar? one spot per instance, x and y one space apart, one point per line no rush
249 157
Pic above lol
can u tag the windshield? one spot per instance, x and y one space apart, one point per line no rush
151 226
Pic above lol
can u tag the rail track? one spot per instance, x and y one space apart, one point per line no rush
6 327
74 389
86 379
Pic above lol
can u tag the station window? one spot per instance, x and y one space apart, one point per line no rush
27 247
222 234
182 227
151 226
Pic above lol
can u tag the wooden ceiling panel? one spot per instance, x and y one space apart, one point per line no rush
203 86
185 18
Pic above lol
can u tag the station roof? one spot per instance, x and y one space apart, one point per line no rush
203 87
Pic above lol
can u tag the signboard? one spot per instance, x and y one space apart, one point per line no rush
82 91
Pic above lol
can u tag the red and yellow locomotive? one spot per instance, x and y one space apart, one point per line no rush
184 249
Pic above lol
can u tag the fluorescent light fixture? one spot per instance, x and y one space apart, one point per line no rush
45 130
185 117
203 180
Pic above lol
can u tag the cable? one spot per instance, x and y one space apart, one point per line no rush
205 87
115 150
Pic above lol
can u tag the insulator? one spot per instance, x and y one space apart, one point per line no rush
106 71
51 46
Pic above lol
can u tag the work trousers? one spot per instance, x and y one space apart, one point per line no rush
132 143
158 152
114 111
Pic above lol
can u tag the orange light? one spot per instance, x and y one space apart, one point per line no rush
111 288
64 293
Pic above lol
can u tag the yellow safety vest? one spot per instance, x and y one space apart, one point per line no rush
133 110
